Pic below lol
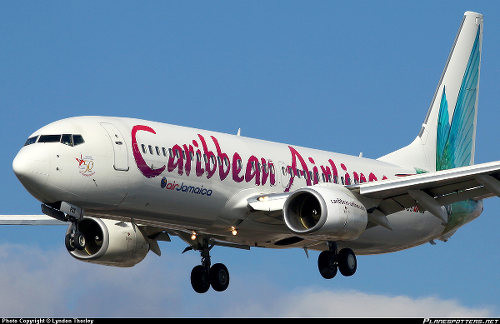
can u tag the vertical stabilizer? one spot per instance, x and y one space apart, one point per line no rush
447 137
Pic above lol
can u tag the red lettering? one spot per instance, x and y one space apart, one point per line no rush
334 171
178 158
222 160
253 170
296 155
139 160
199 169
189 154
210 158
237 168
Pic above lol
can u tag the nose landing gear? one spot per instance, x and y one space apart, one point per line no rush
75 241
67 212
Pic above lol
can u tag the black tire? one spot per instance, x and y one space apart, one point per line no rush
200 279
79 241
347 262
69 242
327 265
219 277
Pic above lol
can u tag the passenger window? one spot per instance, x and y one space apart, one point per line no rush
164 151
157 150
150 149
77 140
143 148
67 139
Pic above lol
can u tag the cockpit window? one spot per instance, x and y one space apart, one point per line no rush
31 140
71 140
67 139
49 138
77 140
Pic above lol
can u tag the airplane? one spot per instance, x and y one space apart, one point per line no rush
121 185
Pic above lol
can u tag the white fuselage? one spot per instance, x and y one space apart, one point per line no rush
188 179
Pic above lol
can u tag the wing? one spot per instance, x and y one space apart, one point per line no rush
29 220
430 191
434 189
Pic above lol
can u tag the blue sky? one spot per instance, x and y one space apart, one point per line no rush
344 76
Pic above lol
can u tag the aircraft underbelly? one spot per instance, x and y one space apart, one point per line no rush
408 229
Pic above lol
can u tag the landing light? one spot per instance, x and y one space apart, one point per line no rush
234 231
262 198
193 236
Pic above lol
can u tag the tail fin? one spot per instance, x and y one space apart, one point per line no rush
447 137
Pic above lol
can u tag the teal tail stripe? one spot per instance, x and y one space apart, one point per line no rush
455 141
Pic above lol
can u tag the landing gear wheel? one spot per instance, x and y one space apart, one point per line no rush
79 241
327 264
200 279
347 262
69 242
219 277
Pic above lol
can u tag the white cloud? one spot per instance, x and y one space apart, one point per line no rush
35 283
321 303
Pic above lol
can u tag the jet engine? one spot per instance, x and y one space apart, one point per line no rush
109 242
330 211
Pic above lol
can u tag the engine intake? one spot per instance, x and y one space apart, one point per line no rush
329 210
109 242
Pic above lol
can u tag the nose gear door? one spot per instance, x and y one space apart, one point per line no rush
119 147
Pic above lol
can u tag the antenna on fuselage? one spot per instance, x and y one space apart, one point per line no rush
238 133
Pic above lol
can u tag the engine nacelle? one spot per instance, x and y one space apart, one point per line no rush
109 242
330 211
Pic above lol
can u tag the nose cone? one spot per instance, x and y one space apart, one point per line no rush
32 171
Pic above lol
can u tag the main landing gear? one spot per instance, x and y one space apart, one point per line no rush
331 260
203 276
